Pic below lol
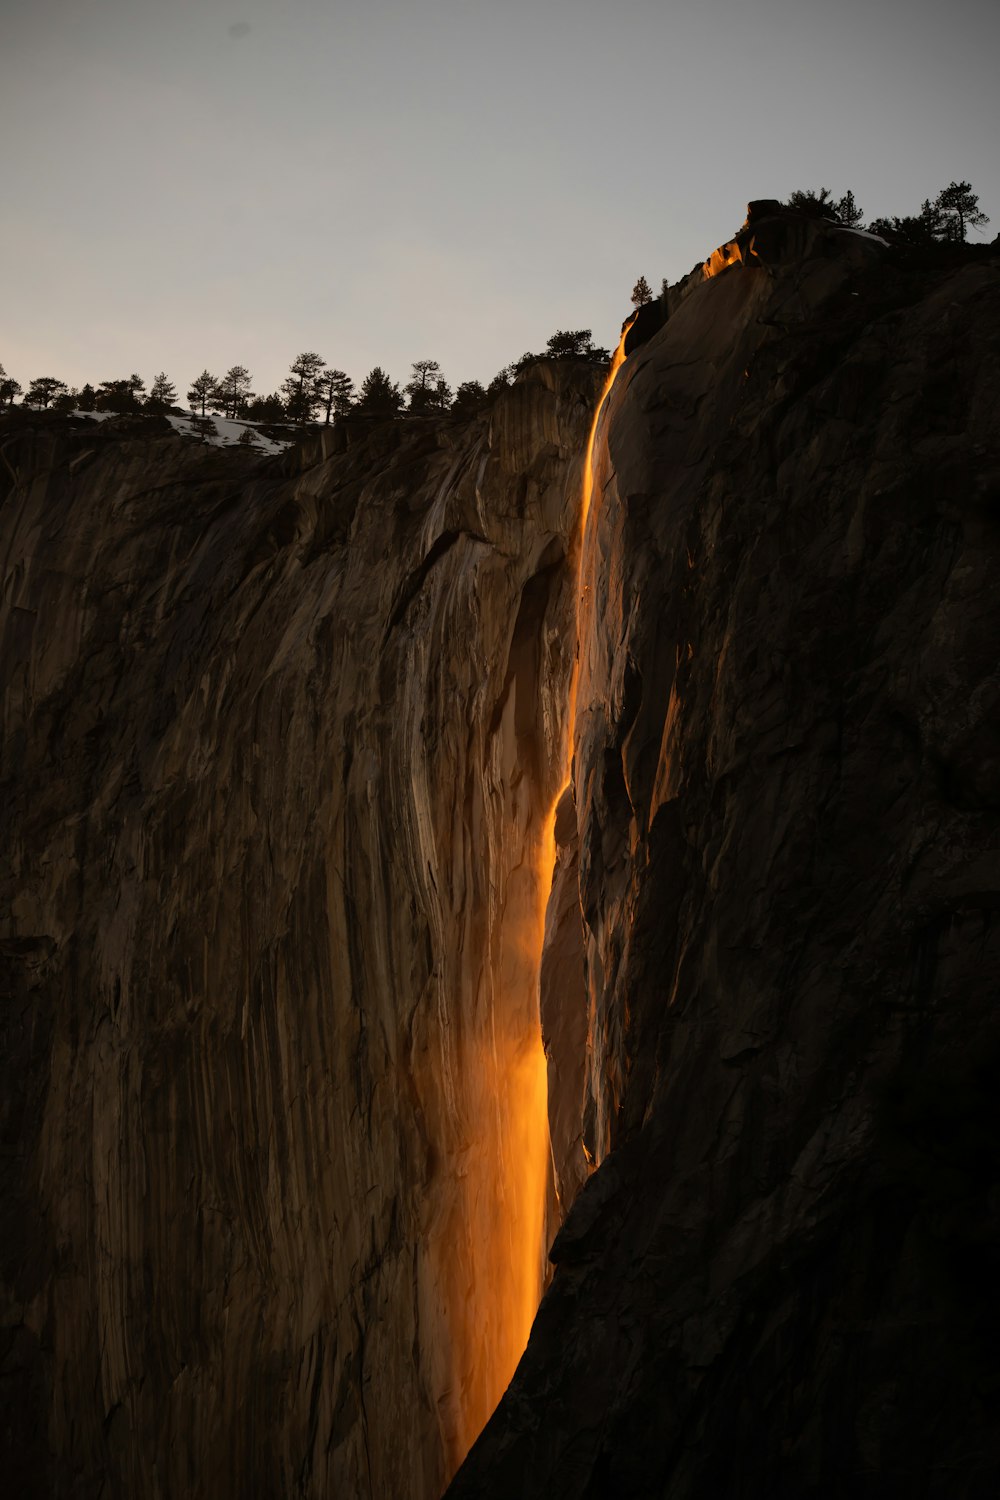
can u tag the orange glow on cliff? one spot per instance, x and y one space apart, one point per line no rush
587 492
498 1218
725 256
529 1155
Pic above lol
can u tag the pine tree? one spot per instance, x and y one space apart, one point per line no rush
848 212
420 387
817 205
959 208
204 428
87 398
120 395
202 390
469 399
162 393
925 228
334 389
379 396
300 387
267 408
641 293
570 344
233 391
43 390
9 389
441 396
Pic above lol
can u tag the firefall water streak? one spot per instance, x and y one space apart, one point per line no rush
534 1087
491 1329
586 497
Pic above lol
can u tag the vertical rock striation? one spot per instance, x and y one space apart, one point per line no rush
779 1281
277 747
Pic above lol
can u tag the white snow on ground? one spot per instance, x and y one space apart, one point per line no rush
864 233
227 432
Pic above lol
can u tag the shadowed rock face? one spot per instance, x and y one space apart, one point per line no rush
277 747
278 741
779 1283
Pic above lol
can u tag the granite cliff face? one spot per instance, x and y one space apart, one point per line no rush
281 743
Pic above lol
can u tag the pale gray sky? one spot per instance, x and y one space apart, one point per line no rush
193 183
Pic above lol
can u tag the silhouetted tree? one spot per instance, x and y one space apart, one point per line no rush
233 391
162 394
925 228
664 288
575 344
959 208
300 387
9 389
204 428
425 373
817 205
87 398
422 384
267 408
379 396
120 395
334 389
65 402
470 398
202 390
848 212
440 396
43 390
642 293
500 382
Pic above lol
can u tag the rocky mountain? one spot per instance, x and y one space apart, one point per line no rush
283 740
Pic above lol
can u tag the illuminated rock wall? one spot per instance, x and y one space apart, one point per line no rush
278 745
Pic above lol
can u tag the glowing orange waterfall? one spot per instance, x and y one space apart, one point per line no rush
586 495
490 1322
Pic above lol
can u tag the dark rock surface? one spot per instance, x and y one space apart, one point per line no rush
780 1282
279 739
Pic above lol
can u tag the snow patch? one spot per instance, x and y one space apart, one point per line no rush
228 432
863 234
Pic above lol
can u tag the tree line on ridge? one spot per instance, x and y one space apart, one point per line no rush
314 390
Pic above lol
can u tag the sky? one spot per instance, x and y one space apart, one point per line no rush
194 184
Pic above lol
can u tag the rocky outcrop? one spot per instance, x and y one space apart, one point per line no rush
278 748
778 1283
